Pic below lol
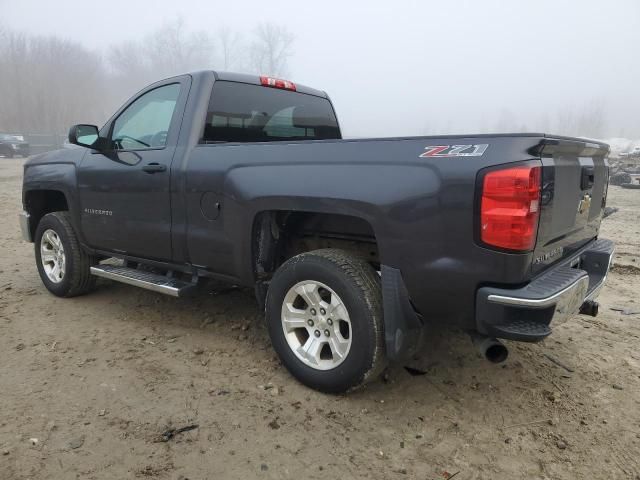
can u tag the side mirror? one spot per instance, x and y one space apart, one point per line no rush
84 136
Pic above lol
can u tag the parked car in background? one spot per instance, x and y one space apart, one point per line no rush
12 144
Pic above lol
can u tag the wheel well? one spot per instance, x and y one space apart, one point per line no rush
280 235
40 202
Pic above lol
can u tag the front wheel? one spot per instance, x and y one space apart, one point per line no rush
324 314
63 266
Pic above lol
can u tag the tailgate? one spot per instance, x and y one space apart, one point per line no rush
574 186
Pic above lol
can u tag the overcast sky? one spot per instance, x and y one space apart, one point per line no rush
410 67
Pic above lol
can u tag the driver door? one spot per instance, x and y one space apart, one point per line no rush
125 191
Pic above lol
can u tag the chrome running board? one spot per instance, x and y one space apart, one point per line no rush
147 280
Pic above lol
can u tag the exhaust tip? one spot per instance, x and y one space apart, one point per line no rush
590 308
496 353
490 348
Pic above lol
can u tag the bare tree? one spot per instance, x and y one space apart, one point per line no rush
565 121
543 124
591 121
48 83
231 48
128 58
586 121
171 50
507 121
271 49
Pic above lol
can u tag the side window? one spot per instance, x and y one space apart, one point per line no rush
145 123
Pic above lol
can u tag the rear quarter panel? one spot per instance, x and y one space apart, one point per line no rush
421 209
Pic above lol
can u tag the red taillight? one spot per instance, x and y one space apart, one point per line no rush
277 83
510 208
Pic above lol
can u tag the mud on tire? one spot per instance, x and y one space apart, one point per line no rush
76 279
341 278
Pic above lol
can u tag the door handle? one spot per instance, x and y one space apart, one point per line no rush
154 167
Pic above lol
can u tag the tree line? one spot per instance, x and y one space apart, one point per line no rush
48 83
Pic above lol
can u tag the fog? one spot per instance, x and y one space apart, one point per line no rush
391 68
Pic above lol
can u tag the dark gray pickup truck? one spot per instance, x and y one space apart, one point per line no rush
353 246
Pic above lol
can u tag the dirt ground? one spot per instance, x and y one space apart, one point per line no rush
88 385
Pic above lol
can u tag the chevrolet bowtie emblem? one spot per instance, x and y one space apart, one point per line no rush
585 203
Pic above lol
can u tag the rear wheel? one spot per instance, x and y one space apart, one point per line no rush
63 266
324 313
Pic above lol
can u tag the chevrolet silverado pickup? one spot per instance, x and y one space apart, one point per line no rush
353 246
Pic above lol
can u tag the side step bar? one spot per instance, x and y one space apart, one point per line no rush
140 278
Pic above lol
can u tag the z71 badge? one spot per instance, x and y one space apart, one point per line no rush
455 150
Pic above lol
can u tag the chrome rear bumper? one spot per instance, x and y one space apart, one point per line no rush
526 313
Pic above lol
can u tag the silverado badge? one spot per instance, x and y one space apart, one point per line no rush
97 211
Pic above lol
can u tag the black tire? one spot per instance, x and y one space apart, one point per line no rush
77 279
358 286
